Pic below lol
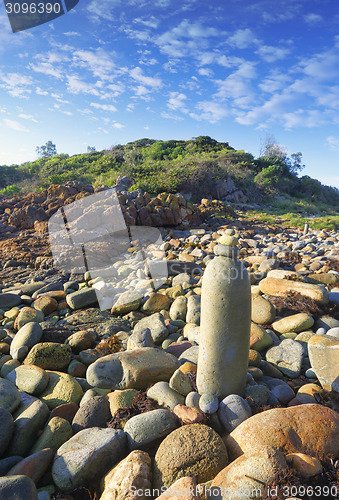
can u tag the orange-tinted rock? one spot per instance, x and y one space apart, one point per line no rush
306 465
45 304
33 466
188 415
66 411
184 488
177 348
311 429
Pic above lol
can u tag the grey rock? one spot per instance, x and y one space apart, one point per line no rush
192 400
193 309
146 428
326 322
88 454
6 429
7 463
26 428
82 298
9 300
259 393
283 392
142 338
95 412
178 309
9 395
333 332
164 395
208 403
182 278
17 488
190 354
156 324
28 335
31 379
233 410
287 357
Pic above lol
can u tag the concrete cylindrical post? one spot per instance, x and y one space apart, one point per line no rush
225 323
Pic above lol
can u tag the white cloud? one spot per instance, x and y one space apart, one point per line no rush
77 86
237 85
146 81
272 54
72 33
176 101
333 142
242 39
14 125
118 125
97 61
39 91
205 72
102 9
104 107
28 117
313 18
186 39
151 22
210 111
274 82
16 84
47 68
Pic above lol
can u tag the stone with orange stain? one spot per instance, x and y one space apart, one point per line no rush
306 465
188 367
308 428
188 415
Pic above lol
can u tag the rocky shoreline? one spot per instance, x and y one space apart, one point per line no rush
105 402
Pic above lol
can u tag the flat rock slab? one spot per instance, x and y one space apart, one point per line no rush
134 369
86 455
281 287
323 352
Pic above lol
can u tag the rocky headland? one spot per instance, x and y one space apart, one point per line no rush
106 402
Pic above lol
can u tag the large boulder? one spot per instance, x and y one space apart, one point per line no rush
194 449
309 428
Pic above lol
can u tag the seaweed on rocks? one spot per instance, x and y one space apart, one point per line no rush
141 404
294 302
289 483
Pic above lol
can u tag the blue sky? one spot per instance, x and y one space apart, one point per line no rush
113 71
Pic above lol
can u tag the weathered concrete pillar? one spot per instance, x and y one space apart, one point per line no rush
225 322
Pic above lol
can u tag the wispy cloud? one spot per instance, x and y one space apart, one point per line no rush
104 107
14 125
28 117
333 142
313 18
242 39
147 81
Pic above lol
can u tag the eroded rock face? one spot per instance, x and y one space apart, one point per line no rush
309 428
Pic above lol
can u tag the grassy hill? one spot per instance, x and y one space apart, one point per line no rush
197 166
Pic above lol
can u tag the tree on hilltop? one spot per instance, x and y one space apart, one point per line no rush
47 150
